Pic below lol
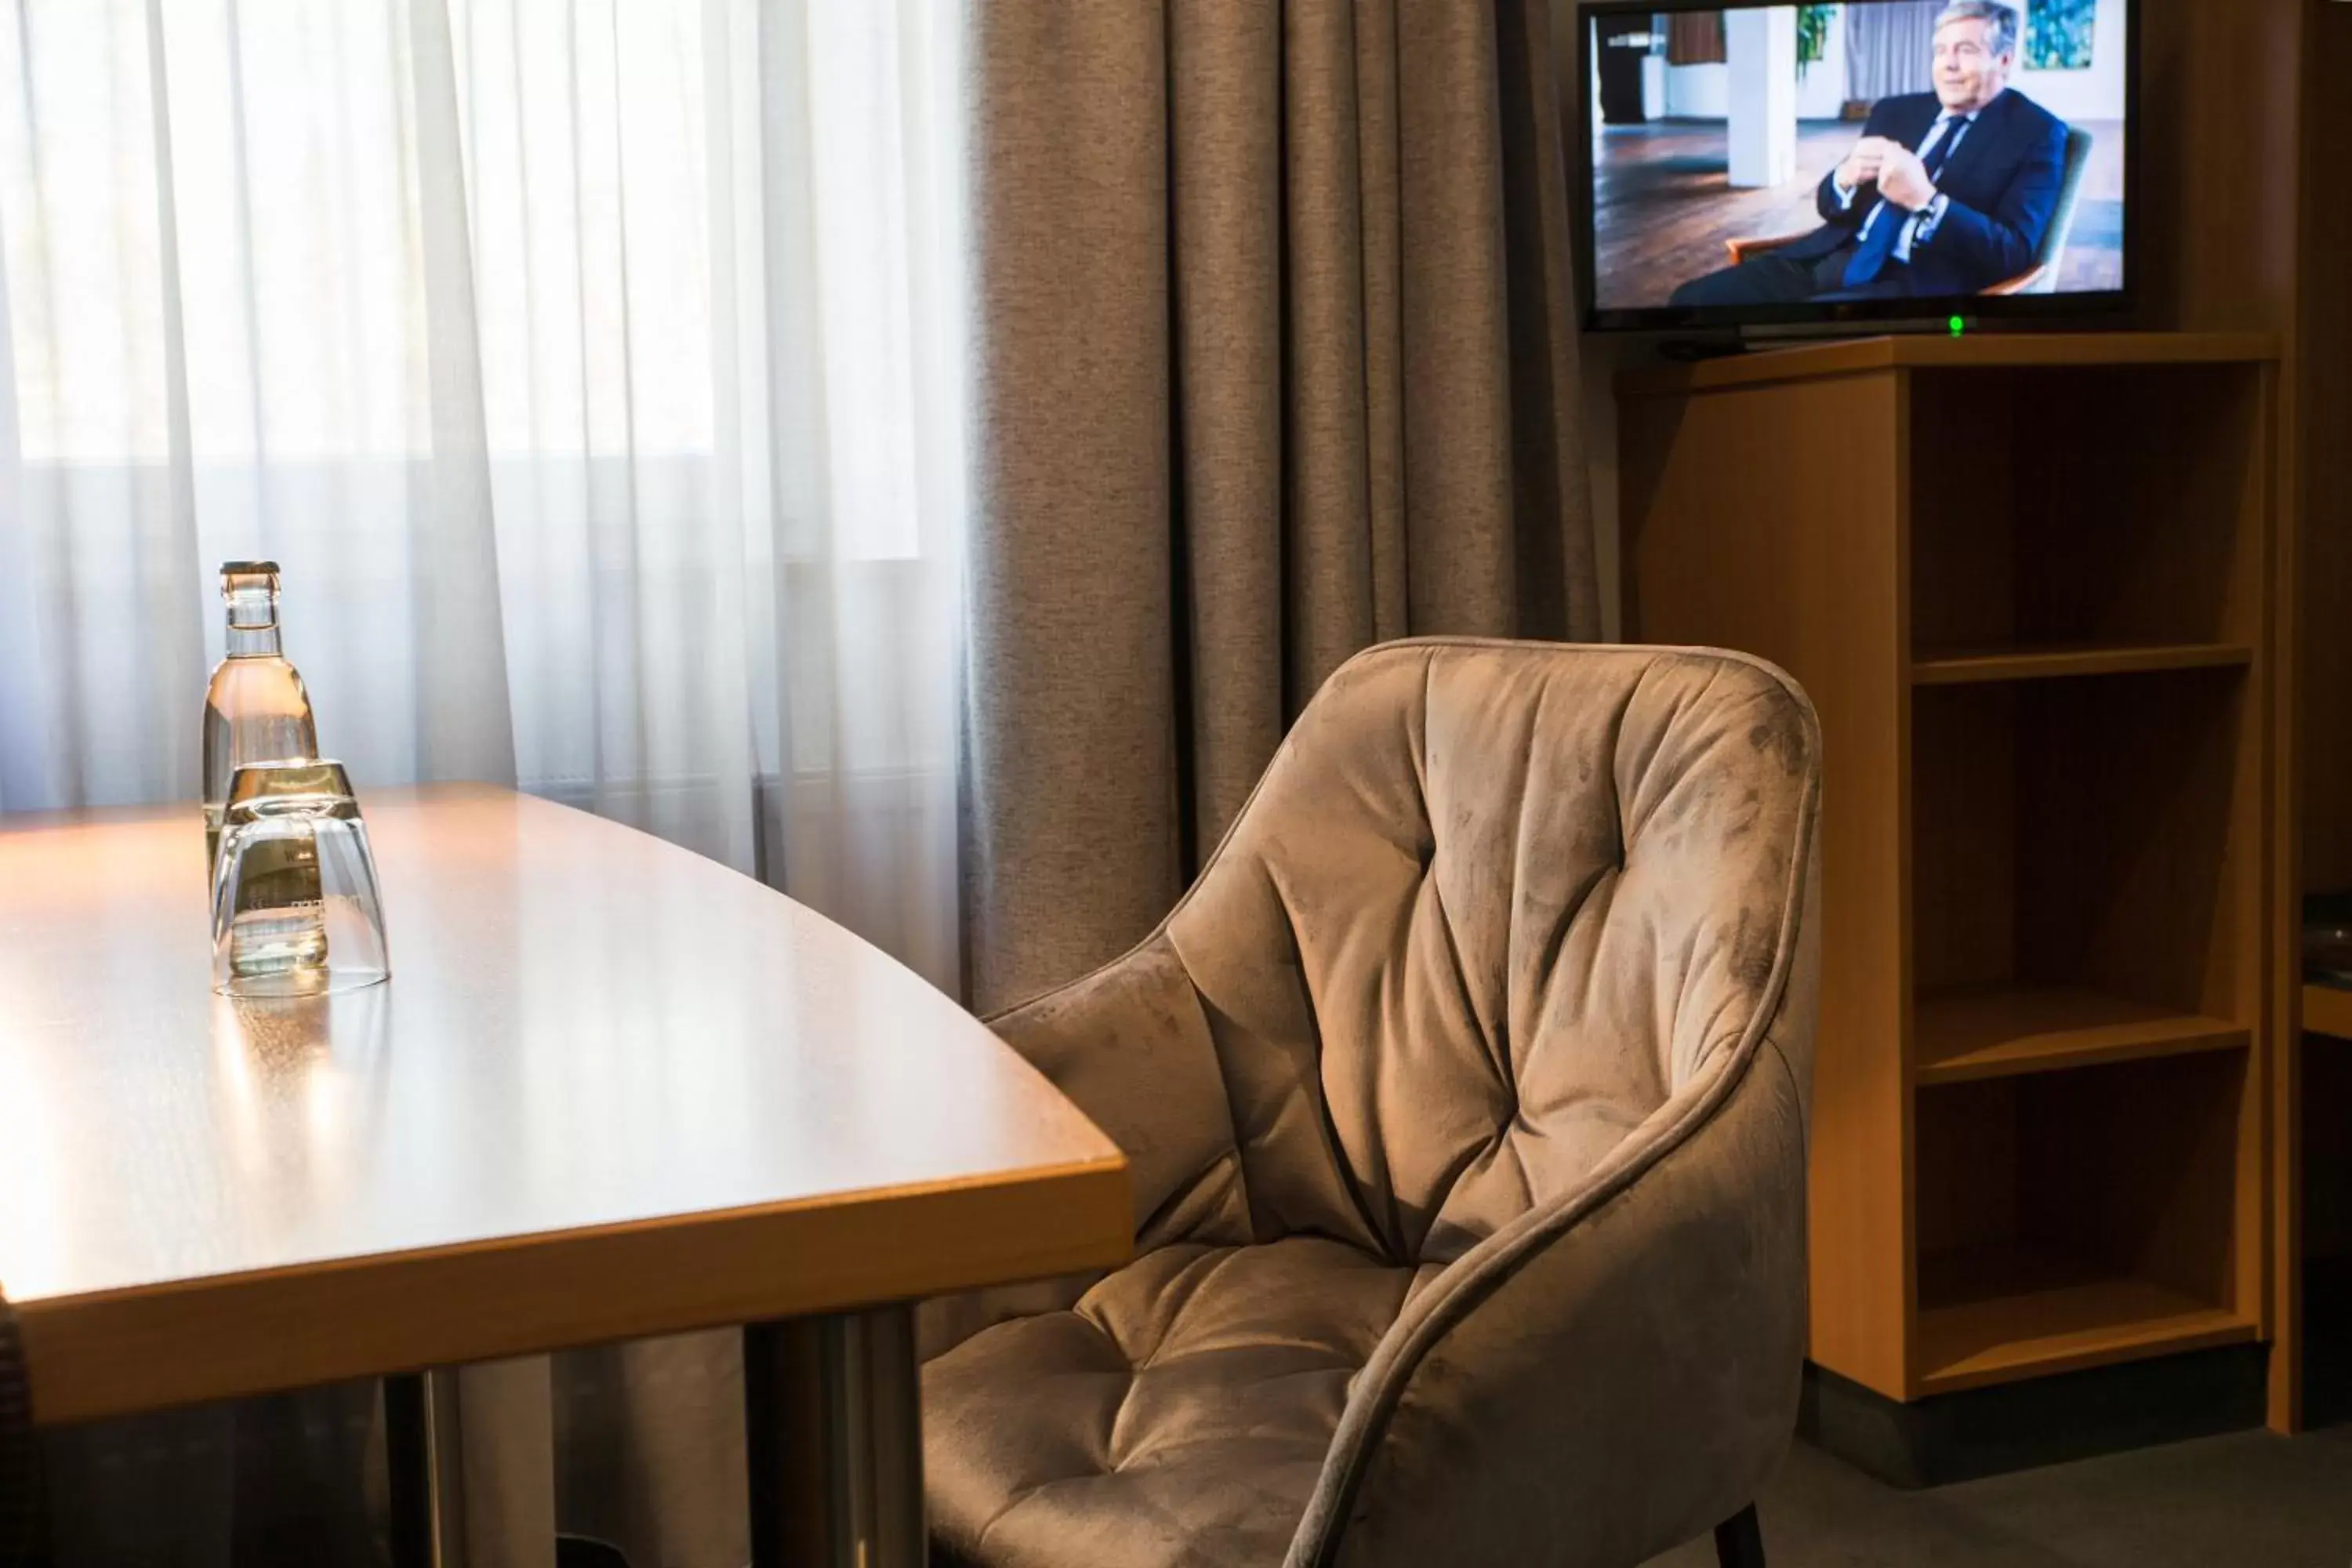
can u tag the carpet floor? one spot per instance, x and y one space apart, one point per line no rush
2246 1498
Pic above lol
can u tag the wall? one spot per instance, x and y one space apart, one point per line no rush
2325 390
2094 94
1698 92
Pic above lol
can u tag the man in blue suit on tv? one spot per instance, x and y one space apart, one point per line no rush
1946 193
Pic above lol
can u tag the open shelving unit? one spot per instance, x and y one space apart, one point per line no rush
2085 835
2027 583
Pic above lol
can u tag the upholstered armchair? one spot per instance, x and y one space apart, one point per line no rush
1465 1095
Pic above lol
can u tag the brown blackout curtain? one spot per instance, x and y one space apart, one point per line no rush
1277 357
1696 39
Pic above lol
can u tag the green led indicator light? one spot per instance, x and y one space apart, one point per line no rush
1959 326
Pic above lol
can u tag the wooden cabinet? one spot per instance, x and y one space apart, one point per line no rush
2028 581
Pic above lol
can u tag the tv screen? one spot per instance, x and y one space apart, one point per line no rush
1875 158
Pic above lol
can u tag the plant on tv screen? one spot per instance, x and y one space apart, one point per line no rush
1813 32
2057 35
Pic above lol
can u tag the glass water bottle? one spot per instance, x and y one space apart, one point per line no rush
255 709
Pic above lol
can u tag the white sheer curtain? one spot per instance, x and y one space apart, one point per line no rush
1890 46
592 368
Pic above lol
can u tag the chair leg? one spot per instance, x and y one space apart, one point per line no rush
1740 1541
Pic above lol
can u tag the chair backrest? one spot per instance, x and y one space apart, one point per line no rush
1492 905
2061 219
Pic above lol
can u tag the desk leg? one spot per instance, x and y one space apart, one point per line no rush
427 1483
833 1414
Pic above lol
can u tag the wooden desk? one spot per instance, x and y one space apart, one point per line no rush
612 1090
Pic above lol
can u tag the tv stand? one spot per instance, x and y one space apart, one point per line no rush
1691 350
1755 338
1762 338
1781 334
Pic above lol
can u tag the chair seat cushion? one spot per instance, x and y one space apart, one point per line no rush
1176 1417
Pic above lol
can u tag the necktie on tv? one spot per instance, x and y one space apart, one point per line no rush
1869 258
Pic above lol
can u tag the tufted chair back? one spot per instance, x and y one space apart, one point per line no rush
1449 955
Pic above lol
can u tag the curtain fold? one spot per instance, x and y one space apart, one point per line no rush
1889 48
1276 358
594 369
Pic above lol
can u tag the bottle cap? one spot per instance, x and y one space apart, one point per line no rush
244 568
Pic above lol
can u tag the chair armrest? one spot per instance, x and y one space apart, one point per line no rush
2019 284
1619 1392
1131 1048
1741 249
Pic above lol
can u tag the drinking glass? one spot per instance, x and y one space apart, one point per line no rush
296 912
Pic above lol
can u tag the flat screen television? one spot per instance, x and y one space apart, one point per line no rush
1757 165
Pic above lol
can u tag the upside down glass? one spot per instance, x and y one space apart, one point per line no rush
296 912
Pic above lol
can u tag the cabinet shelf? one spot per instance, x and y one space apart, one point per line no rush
2031 1312
2002 1031
2071 1218
1962 667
